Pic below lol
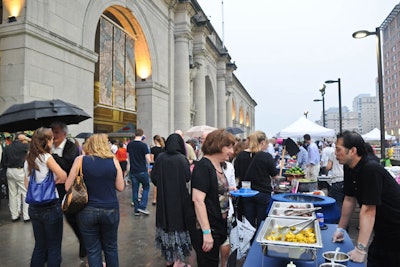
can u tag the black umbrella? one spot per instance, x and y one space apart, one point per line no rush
234 130
35 114
84 135
291 147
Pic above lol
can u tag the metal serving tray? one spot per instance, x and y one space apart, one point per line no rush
278 209
285 249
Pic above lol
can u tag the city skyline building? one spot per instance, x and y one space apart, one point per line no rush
390 29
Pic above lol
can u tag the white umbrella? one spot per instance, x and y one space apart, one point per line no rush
197 131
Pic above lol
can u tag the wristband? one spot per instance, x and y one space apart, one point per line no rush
363 252
340 230
206 232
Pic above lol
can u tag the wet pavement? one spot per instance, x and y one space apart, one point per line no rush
135 238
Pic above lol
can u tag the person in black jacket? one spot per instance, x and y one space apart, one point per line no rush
170 174
64 152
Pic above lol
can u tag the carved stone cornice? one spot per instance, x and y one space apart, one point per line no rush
185 5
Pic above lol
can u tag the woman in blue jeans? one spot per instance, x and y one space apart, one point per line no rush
47 218
260 171
99 220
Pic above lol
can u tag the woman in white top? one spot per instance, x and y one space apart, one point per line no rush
47 218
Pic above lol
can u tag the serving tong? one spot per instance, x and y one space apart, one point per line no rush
295 212
298 230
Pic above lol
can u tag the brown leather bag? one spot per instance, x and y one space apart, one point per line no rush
77 197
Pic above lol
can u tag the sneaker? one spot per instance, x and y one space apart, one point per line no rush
137 213
145 212
16 220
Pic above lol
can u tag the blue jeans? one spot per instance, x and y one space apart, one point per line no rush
337 192
99 229
140 178
47 223
255 208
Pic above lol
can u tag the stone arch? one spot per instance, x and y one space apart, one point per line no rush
210 100
114 115
241 115
132 20
234 109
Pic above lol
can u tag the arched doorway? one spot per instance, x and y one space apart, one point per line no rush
123 59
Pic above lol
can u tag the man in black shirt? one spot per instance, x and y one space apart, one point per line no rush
13 160
368 183
64 152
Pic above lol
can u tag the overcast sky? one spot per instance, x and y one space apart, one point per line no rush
285 49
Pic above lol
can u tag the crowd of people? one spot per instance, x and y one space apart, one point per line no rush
192 181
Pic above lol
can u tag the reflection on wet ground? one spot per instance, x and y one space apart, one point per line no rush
136 238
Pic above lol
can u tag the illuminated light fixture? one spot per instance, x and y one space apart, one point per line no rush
143 71
377 33
12 19
13 8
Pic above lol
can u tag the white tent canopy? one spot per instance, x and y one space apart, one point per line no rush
375 135
304 126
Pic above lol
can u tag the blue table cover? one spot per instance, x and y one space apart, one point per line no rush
256 258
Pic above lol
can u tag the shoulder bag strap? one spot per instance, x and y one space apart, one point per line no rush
79 173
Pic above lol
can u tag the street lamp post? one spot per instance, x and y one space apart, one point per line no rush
340 102
377 33
323 109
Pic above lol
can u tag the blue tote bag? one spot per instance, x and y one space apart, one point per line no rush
43 192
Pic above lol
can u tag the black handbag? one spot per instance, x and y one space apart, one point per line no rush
43 192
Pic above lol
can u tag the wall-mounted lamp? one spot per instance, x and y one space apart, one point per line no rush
12 19
143 79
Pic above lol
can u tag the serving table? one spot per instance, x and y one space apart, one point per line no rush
256 258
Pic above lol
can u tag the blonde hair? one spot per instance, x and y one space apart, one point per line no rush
255 140
97 145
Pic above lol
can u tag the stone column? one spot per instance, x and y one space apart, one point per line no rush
199 81
230 67
221 92
182 35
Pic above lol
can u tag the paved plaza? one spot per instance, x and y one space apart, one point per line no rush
136 238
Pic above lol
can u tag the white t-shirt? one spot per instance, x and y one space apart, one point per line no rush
230 174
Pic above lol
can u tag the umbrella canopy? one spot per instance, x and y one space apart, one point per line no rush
234 130
35 114
304 126
197 131
84 135
375 135
127 131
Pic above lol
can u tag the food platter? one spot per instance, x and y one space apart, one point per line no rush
278 210
286 249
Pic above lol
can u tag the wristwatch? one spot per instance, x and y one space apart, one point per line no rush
361 247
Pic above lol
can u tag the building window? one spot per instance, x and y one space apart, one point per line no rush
116 66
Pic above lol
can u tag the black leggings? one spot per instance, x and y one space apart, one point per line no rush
206 259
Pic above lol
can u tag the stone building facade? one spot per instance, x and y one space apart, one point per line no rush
156 63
